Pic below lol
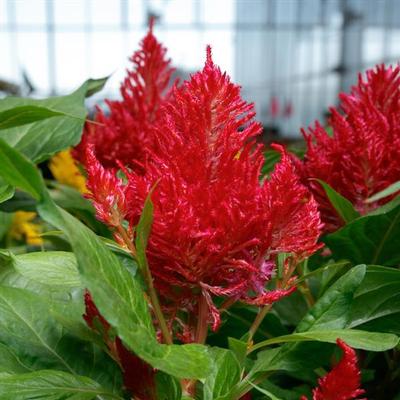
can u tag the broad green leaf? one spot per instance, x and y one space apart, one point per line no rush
41 139
53 268
371 239
390 190
371 341
30 330
225 375
10 363
22 115
331 311
376 305
342 206
51 385
25 176
239 349
95 85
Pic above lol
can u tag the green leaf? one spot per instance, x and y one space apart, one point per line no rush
23 115
51 385
239 349
331 311
390 190
95 85
53 268
225 375
10 363
28 327
376 305
23 176
143 231
373 239
168 388
371 341
342 206
41 139
6 191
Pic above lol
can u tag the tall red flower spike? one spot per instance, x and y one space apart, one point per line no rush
216 228
343 382
139 377
124 133
362 156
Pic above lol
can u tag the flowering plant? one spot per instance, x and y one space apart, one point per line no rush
166 266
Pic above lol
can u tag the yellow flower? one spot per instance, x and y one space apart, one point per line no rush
23 229
65 171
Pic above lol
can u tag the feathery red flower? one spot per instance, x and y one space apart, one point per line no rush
125 135
361 158
343 382
216 229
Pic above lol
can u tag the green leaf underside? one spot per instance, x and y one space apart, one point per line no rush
372 341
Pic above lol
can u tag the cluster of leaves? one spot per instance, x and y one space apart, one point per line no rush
47 351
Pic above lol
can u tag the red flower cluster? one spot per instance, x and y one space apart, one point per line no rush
124 135
343 382
138 376
361 158
217 229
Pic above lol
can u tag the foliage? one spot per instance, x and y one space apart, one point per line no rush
176 293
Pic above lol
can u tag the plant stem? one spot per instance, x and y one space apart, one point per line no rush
156 305
202 326
152 291
257 322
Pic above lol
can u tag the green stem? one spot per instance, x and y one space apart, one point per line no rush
257 322
152 291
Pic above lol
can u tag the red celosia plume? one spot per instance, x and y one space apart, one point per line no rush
124 134
343 382
216 229
361 158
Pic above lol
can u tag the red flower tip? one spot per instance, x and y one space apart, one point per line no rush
209 60
107 192
343 381
361 157
152 21
126 134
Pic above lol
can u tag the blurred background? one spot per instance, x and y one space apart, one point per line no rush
292 57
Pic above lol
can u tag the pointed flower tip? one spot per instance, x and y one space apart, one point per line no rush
209 60
152 21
